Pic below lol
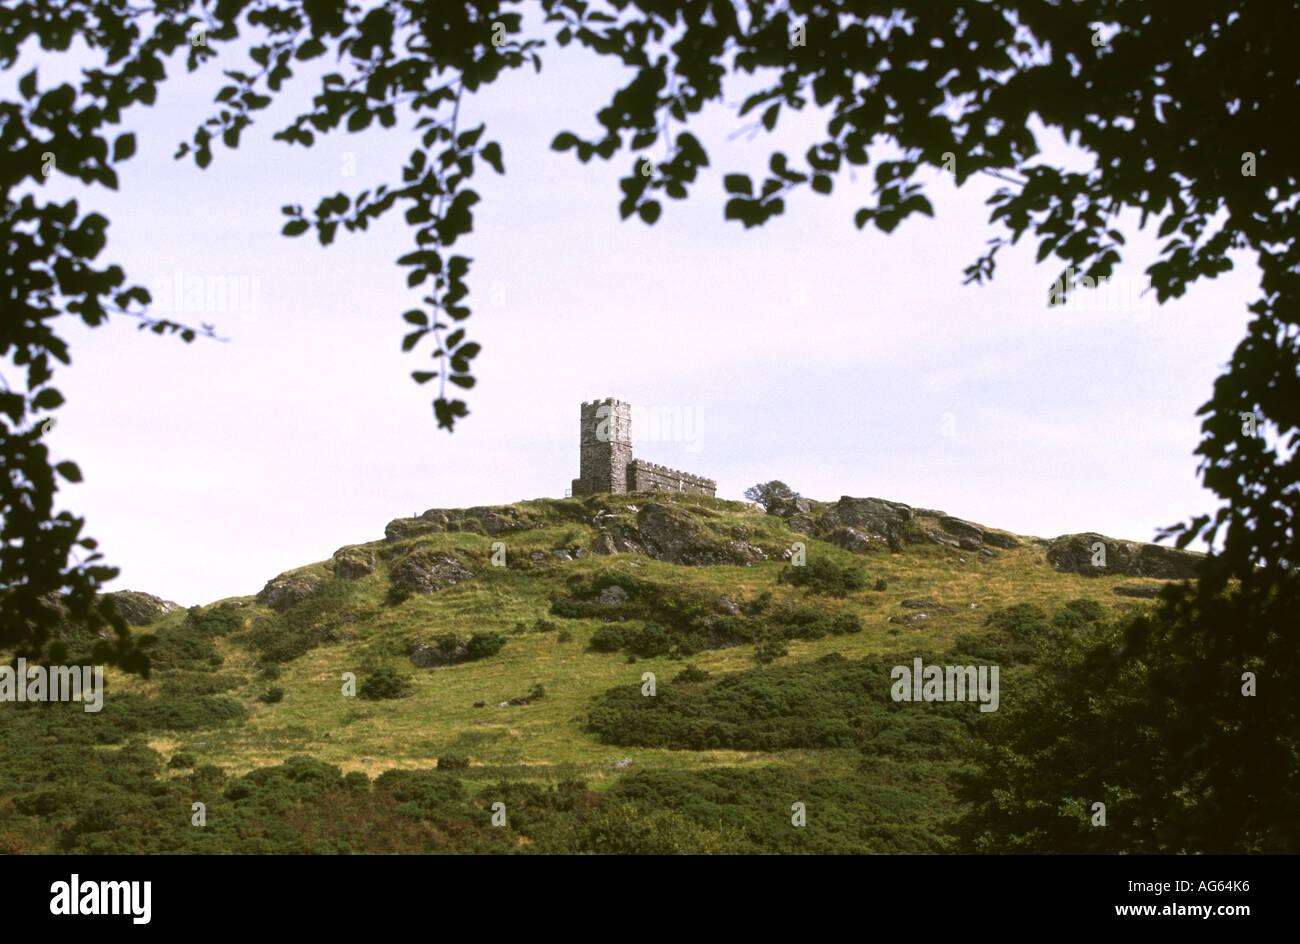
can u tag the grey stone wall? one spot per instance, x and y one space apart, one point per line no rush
605 462
648 477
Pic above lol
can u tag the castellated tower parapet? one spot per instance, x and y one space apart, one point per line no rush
605 463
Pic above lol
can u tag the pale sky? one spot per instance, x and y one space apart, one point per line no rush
843 362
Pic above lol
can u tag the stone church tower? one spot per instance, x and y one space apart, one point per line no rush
605 463
605 447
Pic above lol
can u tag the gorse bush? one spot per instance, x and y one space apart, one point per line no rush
656 620
769 650
735 630
1024 633
822 575
425 794
187 684
188 644
356 782
802 622
1089 610
104 813
691 674
1021 621
624 828
274 642
830 703
833 702
649 642
744 809
220 620
385 682
845 623
989 648
122 716
916 735
677 608
135 714
610 638
712 631
315 620
483 645
450 649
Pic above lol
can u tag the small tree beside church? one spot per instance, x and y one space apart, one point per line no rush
769 493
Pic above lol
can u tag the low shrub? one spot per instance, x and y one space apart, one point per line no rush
188 684
608 638
691 674
651 641
770 650
845 623
735 630
987 648
356 782
482 645
1090 611
822 575
425 795
188 644
385 682
163 714
450 649
1021 621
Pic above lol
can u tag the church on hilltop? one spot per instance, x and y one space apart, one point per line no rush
605 461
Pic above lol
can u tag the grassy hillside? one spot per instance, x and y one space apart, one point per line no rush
245 710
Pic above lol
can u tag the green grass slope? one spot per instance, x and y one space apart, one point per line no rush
524 727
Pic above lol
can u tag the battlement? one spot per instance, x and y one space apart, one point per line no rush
605 457
649 477
606 421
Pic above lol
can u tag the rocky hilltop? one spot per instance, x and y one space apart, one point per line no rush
695 532
141 609
874 524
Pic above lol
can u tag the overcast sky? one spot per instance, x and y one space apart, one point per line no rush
844 362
